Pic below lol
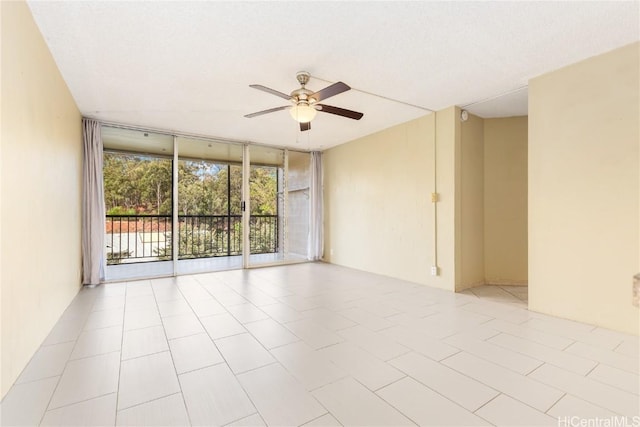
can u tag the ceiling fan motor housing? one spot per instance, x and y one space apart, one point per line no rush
301 96
303 77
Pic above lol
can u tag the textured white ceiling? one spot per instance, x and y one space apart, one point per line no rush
187 66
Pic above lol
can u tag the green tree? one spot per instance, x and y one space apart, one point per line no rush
142 184
264 190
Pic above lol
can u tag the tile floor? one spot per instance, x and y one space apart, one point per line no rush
514 295
315 344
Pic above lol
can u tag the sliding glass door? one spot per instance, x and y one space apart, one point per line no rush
278 206
178 205
264 205
209 206
137 177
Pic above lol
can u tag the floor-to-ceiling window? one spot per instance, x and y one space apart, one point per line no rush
266 184
298 207
209 205
231 205
138 192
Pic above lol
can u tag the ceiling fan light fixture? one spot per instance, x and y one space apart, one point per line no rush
306 103
303 113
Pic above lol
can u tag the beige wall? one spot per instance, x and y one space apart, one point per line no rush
40 190
378 216
505 201
470 208
584 190
378 213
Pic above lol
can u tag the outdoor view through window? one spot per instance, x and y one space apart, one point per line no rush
139 200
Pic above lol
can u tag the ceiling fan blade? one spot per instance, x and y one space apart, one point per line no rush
271 110
330 91
271 91
340 111
305 126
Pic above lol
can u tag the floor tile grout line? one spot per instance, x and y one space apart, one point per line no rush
201 368
141 329
148 401
146 355
186 336
115 416
374 392
229 424
548 319
81 401
235 375
255 368
95 355
524 403
102 327
606 363
244 390
487 402
396 408
533 379
50 345
591 402
36 380
446 357
532 341
545 361
293 376
541 363
446 397
487 385
347 375
439 339
524 376
391 383
44 413
317 418
555 403
285 344
598 363
618 346
173 363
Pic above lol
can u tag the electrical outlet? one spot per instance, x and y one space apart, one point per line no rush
435 270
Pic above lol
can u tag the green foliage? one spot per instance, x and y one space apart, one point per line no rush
119 210
137 184
197 243
264 190
142 184
116 257
209 240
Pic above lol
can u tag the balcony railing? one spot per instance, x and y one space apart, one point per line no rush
147 238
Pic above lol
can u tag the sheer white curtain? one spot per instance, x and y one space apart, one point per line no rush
316 217
93 210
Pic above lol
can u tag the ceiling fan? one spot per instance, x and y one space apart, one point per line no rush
305 102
